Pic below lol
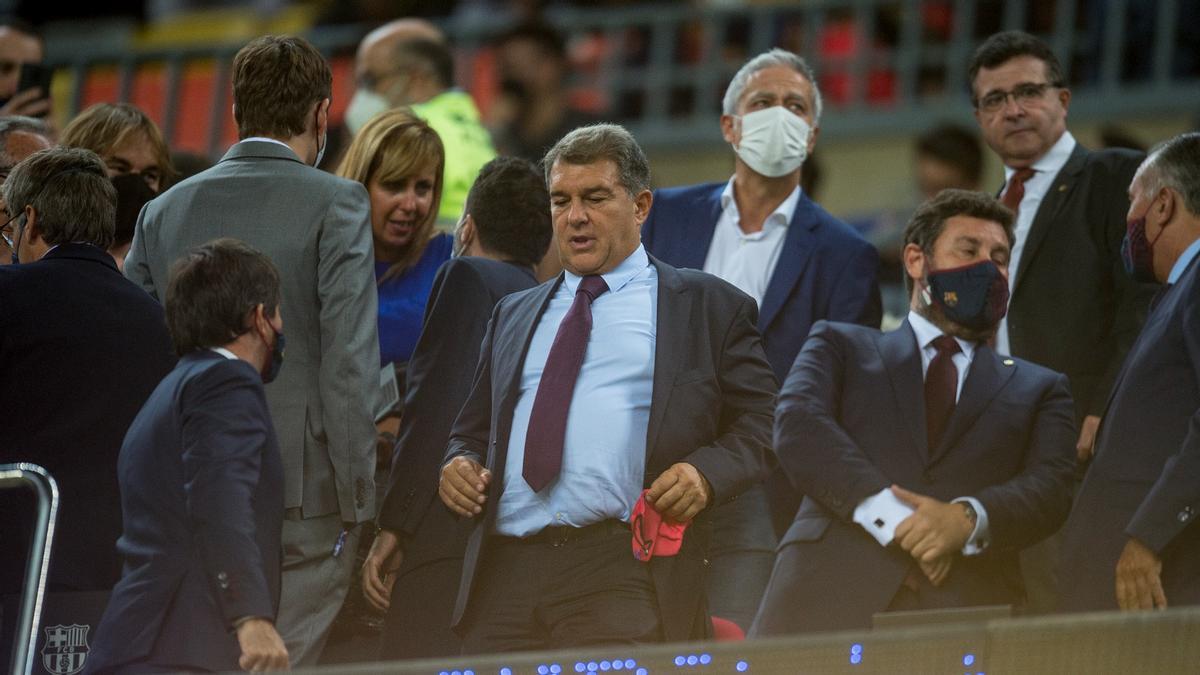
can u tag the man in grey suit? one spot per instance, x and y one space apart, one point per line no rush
316 229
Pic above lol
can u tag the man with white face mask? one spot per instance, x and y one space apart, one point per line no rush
760 232
408 63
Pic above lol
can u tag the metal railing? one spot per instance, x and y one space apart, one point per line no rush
886 66
32 476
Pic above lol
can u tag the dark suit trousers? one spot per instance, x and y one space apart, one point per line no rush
533 596
742 555
417 625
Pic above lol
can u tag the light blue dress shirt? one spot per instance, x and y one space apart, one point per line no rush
1185 259
604 453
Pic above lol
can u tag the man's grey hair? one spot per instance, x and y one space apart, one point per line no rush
597 142
69 191
775 57
16 123
1175 164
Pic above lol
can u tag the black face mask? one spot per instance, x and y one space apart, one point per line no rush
974 296
276 363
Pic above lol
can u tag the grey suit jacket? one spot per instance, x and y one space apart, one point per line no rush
316 228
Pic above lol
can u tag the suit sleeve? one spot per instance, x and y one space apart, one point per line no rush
349 375
740 455
439 380
1034 504
224 422
137 265
1132 298
472 428
855 297
819 457
1172 504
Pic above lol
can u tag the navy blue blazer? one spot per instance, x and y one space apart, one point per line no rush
81 347
825 271
1144 480
851 422
202 496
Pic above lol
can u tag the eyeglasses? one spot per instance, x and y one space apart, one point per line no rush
1023 95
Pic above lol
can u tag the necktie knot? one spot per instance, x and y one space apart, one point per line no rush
946 344
1021 176
1015 191
593 285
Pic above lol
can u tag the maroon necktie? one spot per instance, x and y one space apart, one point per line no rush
941 387
548 419
1014 192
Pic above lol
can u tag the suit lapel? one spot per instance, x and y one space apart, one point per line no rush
670 345
698 236
797 246
515 340
902 358
985 378
1047 213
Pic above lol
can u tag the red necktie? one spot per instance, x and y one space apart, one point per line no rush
1014 192
941 388
548 419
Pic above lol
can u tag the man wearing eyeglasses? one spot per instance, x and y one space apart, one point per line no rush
1072 307
20 137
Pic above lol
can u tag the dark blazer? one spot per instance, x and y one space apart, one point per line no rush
81 348
202 494
851 422
711 407
465 291
826 270
1143 481
1073 307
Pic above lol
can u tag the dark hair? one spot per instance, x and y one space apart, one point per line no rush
929 220
276 82
599 142
69 190
955 145
1002 47
511 209
540 33
1175 164
211 291
434 57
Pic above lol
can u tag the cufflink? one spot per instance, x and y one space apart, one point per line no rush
879 523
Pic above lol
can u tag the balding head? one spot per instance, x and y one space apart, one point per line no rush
406 61
383 38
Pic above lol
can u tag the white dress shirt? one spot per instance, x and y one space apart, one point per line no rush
1036 186
747 260
880 513
604 452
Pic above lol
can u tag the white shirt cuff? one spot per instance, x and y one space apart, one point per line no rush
978 541
880 513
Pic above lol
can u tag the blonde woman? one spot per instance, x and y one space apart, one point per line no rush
400 160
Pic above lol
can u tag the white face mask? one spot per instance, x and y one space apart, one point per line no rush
774 141
364 105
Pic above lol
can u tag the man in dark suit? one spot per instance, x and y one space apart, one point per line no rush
1131 541
928 460
316 229
202 483
1073 309
80 350
760 232
622 374
415 563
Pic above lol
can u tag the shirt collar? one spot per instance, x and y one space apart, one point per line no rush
926 333
264 139
1185 259
1053 160
618 276
782 215
225 352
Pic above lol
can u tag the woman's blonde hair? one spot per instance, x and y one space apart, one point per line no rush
104 126
392 146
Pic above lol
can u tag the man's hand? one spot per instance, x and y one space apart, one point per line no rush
1139 578
680 493
31 102
379 569
938 570
262 648
463 485
1087 438
935 528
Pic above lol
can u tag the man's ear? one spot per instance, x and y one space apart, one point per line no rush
323 116
466 234
641 206
31 231
729 129
1166 206
914 263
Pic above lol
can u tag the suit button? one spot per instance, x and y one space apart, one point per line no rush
1185 514
223 580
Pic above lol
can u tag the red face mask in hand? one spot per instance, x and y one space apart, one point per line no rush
651 534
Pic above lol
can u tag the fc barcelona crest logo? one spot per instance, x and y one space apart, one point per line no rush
950 298
66 649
